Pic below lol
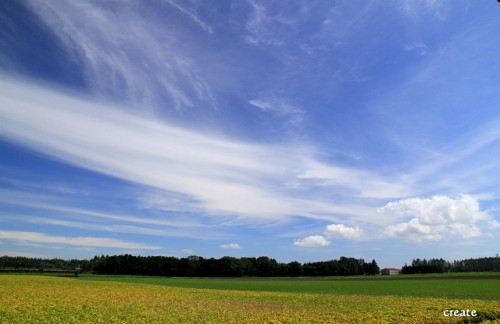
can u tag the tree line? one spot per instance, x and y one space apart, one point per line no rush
194 266
440 265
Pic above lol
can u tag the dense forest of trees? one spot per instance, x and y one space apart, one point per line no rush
194 266
440 265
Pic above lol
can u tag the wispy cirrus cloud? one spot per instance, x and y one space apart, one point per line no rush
362 183
259 24
416 9
82 241
213 174
194 171
115 227
127 57
419 47
192 15
292 114
57 204
60 211
202 173
270 24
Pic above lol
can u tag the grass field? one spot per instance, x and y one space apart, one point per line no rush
416 286
125 299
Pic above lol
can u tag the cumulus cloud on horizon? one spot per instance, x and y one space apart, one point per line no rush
435 218
342 231
312 241
332 231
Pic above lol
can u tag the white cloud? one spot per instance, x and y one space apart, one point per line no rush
435 218
230 246
414 231
438 9
361 183
192 15
293 114
202 171
494 223
210 169
331 231
340 230
259 26
143 65
41 238
188 251
420 47
175 231
438 210
55 204
312 241
58 211
261 104
271 24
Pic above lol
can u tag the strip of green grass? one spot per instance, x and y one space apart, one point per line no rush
485 289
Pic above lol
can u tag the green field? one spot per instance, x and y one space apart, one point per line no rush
129 299
417 286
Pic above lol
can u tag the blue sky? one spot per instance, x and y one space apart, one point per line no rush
305 130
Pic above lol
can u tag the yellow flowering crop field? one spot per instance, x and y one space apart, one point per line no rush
49 299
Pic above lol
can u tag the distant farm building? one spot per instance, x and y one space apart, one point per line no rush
390 271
